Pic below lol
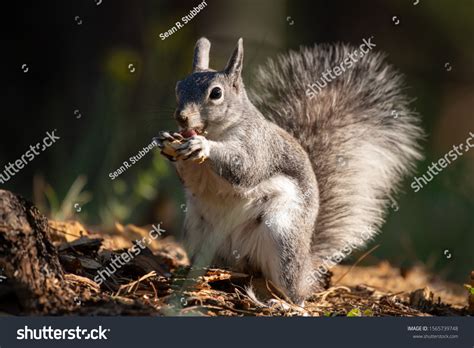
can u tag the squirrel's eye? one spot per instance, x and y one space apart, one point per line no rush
216 93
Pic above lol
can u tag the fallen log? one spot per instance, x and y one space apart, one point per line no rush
32 276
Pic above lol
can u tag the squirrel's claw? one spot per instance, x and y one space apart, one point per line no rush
196 156
163 135
196 147
178 136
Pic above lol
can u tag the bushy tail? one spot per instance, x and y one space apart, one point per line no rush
358 130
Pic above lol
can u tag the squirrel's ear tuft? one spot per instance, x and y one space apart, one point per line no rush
201 55
234 66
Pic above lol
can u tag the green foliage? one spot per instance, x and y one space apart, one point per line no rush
368 313
356 312
74 197
469 288
128 198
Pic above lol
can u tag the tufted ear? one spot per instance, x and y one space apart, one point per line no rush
201 55
234 66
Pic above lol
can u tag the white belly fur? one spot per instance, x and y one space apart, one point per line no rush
223 221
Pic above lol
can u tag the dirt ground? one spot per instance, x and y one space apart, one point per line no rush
48 268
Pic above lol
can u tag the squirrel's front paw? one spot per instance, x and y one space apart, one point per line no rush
168 143
195 148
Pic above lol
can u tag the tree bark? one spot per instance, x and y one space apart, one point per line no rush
32 275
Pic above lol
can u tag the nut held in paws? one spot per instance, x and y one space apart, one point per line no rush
170 147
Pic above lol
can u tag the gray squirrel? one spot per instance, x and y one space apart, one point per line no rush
282 181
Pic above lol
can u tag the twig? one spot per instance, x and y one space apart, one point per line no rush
356 263
136 282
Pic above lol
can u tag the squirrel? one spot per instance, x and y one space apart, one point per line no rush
266 189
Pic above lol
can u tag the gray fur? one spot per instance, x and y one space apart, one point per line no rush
201 55
257 193
352 117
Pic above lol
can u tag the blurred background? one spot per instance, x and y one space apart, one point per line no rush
98 72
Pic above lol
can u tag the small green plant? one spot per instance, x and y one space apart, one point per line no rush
368 313
469 288
356 312
63 208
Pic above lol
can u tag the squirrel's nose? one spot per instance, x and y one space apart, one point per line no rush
181 117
